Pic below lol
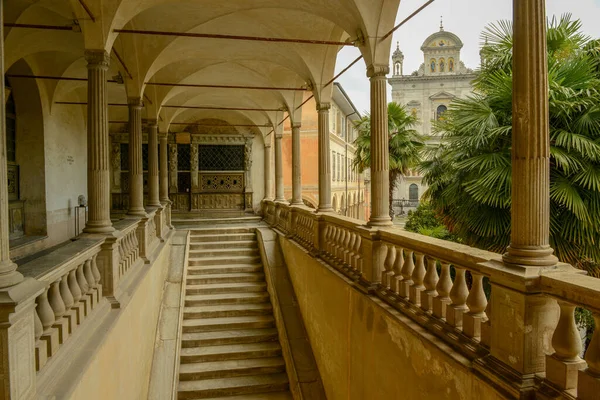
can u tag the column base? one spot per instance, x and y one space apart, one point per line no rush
325 209
380 221
99 227
297 203
137 212
11 276
532 256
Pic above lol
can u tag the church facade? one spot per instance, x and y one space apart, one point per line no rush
428 92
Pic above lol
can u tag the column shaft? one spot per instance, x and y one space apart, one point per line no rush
268 173
136 173
8 269
164 169
530 211
279 195
153 189
98 179
324 159
380 159
296 166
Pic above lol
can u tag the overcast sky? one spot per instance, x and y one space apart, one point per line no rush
465 18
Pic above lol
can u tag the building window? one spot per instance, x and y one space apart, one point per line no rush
440 112
413 192
333 165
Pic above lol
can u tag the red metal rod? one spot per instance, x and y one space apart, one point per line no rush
56 78
83 103
34 26
198 124
194 85
122 63
221 108
233 37
87 10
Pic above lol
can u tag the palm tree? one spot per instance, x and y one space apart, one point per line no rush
469 176
405 144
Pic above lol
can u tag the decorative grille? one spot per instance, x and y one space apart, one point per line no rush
145 156
124 156
221 158
222 182
183 158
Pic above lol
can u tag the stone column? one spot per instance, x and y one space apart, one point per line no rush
8 269
380 159
324 159
296 166
164 169
136 173
268 172
279 195
530 211
153 190
98 178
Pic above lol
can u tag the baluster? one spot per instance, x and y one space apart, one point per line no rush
346 248
55 300
388 265
337 243
486 326
407 270
44 311
136 245
430 282
458 296
443 288
358 255
562 367
81 280
398 264
38 328
95 271
89 277
350 252
476 302
74 286
65 292
339 253
589 379
417 277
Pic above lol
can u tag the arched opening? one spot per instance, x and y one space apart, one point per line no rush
439 114
413 192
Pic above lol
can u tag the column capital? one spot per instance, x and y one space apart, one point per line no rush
97 58
323 107
162 135
378 71
151 122
278 135
267 145
296 125
135 102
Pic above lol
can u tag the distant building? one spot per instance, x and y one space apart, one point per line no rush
428 92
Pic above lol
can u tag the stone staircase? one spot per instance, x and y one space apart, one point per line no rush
229 347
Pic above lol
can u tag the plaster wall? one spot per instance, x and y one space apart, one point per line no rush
366 350
65 142
121 363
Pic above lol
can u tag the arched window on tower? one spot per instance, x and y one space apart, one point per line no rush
440 112
413 192
397 69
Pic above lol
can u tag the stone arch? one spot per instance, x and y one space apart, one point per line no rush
334 203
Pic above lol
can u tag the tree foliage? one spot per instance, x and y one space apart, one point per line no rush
469 175
405 144
423 220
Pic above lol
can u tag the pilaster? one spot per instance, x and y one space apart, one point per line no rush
380 159
279 194
268 172
136 173
324 159
164 168
98 160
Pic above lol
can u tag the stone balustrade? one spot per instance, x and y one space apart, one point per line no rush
447 289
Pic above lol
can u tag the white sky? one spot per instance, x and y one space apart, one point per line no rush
465 18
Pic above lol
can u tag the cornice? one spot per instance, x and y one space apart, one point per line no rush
410 78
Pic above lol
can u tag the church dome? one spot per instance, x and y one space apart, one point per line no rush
442 39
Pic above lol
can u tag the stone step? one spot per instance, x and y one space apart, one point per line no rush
193 300
226 278
226 230
224 237
223 260
227 310
261 396
229 352
225 251
231 368
224 269
219 324
236 244
207 388
213 288
235 336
